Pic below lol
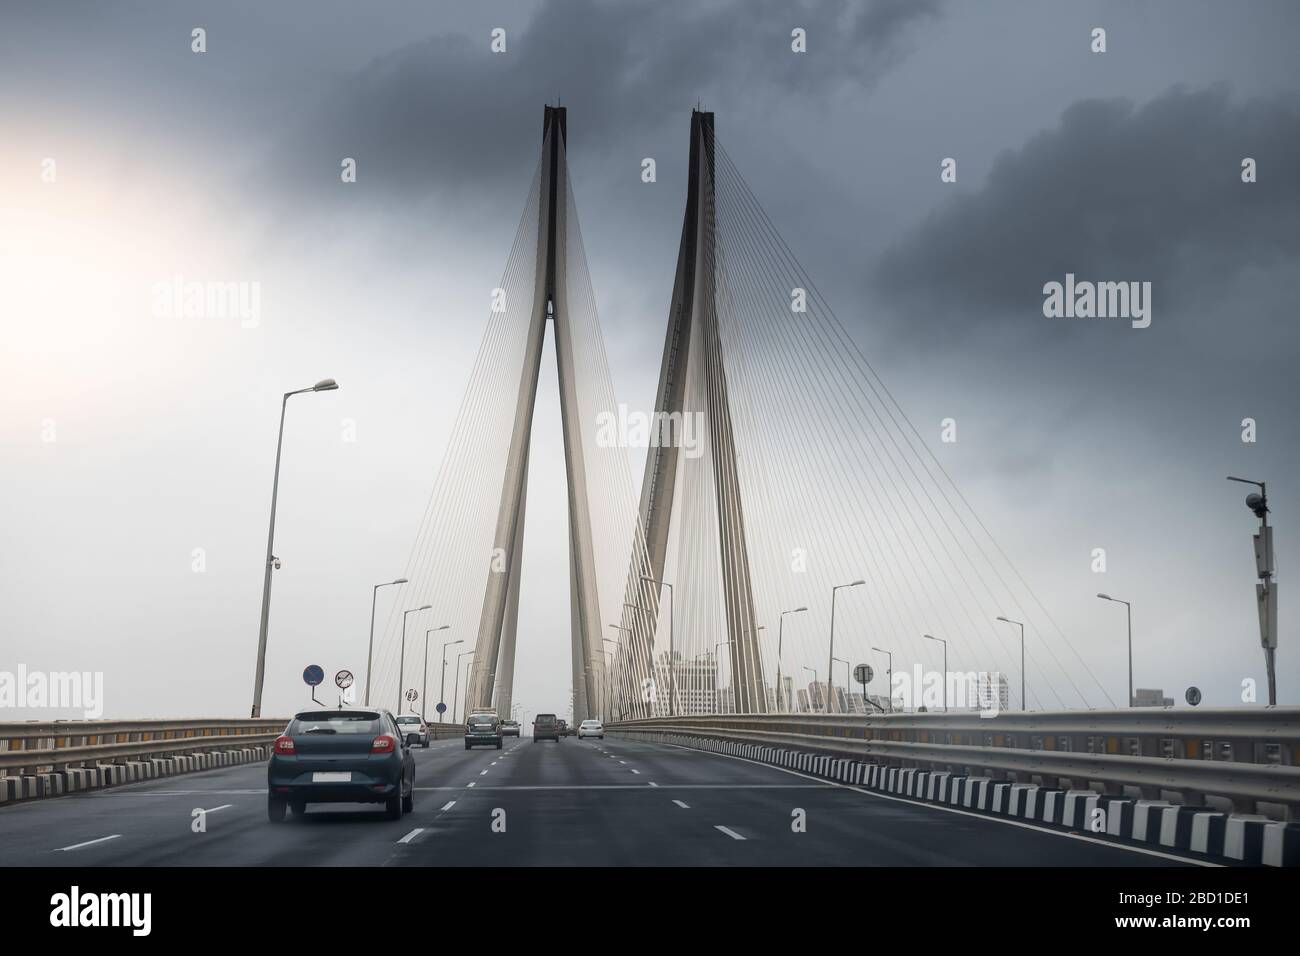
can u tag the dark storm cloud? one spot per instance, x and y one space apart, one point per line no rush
446 113
1115 192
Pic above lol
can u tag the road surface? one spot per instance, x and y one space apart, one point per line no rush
593 803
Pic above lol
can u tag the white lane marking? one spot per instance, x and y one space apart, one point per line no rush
467 786
682 805
412 835
448 805
481 772
964 813
636 771
622 761
653 784
224 806
729 832
78 846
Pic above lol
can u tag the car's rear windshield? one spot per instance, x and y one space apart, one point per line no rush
482 718
545 718
408 720
591 723
334 722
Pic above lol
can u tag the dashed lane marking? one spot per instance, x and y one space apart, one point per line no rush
78 846
729 832
412 835
682 805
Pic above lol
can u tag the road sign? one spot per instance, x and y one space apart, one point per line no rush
863 673
1193 695
313 675
441 708
412 694
343 679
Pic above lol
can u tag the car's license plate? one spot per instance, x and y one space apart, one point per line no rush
323 776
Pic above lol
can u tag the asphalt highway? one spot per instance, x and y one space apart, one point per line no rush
590 803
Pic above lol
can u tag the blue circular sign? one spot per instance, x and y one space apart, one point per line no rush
441 708
313 675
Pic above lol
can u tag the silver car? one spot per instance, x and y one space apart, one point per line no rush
591 728
410 724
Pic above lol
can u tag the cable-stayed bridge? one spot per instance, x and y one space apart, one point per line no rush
791 523
779 468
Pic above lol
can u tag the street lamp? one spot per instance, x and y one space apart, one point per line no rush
455 706
1266 590
324 385
931 637
814 683
424 699
889 679
830 666
780 640
370 651
610 640
1023 705
442 688
672 670
1128 608
847 675
401 663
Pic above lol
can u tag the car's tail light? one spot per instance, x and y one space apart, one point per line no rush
384 744
284 745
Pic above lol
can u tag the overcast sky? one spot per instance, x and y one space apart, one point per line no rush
128 439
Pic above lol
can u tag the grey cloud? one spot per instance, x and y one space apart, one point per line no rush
1114 192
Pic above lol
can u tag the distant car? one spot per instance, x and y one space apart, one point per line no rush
591 728
411 724
341 756
509 728
546 727
482 728
565 729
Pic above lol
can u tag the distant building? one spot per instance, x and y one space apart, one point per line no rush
1151 697
992 692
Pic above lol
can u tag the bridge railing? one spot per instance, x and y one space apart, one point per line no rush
1244 756
28 747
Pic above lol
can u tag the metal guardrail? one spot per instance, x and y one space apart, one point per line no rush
1245 755
32 746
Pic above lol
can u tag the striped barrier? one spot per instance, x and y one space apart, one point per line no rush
75 779
1191 830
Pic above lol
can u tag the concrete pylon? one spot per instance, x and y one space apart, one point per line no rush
493 668
693 346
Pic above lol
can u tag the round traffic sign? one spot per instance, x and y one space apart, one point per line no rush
1193 695
412 694
441 708
863 673
343 679
313 675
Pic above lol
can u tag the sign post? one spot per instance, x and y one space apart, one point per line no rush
312 676
863 674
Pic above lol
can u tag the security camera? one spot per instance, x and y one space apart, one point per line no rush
275 563
1255 502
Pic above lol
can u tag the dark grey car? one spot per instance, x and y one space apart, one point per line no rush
340 756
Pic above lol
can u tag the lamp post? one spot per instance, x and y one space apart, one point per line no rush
754 631
889 679
401 662
613 663
424 698
672 669
370 650
442 688
716 645
1266 589
649 712
1129 611
324 385
1023 705
848 676
814 683
931 637
780 640
830 665
455 706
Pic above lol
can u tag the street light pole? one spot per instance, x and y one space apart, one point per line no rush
613 663
672 667
424 699
814 683
1023 704
716 645
370 651
442 688
401 663
1266 590
830 666
931 637
780 640
324 385
889 679
455 706
848 675
1129 612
